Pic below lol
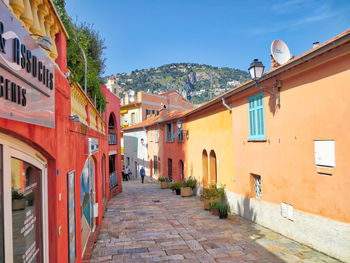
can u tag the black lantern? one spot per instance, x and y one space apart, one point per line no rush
256 69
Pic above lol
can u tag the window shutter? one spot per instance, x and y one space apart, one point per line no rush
171 132
256 117
166 132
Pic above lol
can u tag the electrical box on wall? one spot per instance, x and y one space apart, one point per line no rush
325 152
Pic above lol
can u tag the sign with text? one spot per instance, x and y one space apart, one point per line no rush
27 75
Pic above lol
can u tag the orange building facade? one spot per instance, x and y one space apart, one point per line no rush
282 158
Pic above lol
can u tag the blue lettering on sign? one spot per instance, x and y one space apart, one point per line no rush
279 51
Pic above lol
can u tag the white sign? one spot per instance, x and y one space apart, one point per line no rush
325 153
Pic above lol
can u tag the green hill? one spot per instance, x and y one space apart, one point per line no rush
199 83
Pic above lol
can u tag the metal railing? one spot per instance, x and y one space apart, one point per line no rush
112 138
113 179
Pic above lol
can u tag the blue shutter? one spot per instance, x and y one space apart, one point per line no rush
166 132
171 132
256 117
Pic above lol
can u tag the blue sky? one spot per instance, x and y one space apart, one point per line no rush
226 33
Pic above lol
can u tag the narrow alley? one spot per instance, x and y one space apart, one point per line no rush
149 224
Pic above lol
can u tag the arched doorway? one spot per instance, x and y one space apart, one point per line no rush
205 169
181 170
87 200
213 176
103 174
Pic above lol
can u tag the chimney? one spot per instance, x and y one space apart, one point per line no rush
274 63
315 44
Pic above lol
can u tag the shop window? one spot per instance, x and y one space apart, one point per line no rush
256 117
71 217
26 212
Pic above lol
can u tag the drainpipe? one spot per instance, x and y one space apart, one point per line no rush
224 103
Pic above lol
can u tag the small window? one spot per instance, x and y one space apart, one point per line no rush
157 112
156 136
169 132
256 117
153 111
257 186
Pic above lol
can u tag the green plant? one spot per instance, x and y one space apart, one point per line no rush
163 179
223 208
213 192
16 194
176 186
189 183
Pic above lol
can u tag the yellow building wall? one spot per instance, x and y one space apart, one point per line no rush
209 130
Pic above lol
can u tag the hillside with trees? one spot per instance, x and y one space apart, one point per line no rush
197 82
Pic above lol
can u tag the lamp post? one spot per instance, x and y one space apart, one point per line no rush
256 70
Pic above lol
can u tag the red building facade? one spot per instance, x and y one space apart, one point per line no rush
54 148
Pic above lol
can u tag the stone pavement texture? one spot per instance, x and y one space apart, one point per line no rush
148 224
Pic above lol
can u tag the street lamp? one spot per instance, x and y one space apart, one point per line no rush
256 71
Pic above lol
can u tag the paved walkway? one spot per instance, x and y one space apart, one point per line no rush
149 224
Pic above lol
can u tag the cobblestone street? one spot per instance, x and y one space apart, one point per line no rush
148 224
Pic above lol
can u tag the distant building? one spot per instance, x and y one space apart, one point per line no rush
134 110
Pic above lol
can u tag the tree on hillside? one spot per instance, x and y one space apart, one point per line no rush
84 36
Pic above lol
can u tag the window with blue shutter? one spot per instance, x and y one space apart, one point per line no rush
166 132
171 133
256 117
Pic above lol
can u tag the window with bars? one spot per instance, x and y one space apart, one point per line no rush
257 186
256 117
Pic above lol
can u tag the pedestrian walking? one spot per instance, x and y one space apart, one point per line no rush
123 172
127 173
142 173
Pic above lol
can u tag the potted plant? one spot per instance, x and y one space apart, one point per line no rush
187 187
223 209
163 182
18 201
212 207
176 187
212 194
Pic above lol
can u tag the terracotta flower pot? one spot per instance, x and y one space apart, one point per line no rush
206 204
214 211
186 191
163 185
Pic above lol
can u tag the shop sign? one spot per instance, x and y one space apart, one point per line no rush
27 88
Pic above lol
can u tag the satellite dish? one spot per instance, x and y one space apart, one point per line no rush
280 51
132 99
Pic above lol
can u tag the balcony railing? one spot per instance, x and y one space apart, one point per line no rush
112 138
40 18
82 106
113 179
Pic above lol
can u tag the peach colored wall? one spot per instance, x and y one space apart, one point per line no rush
314 106
154 148
210 129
